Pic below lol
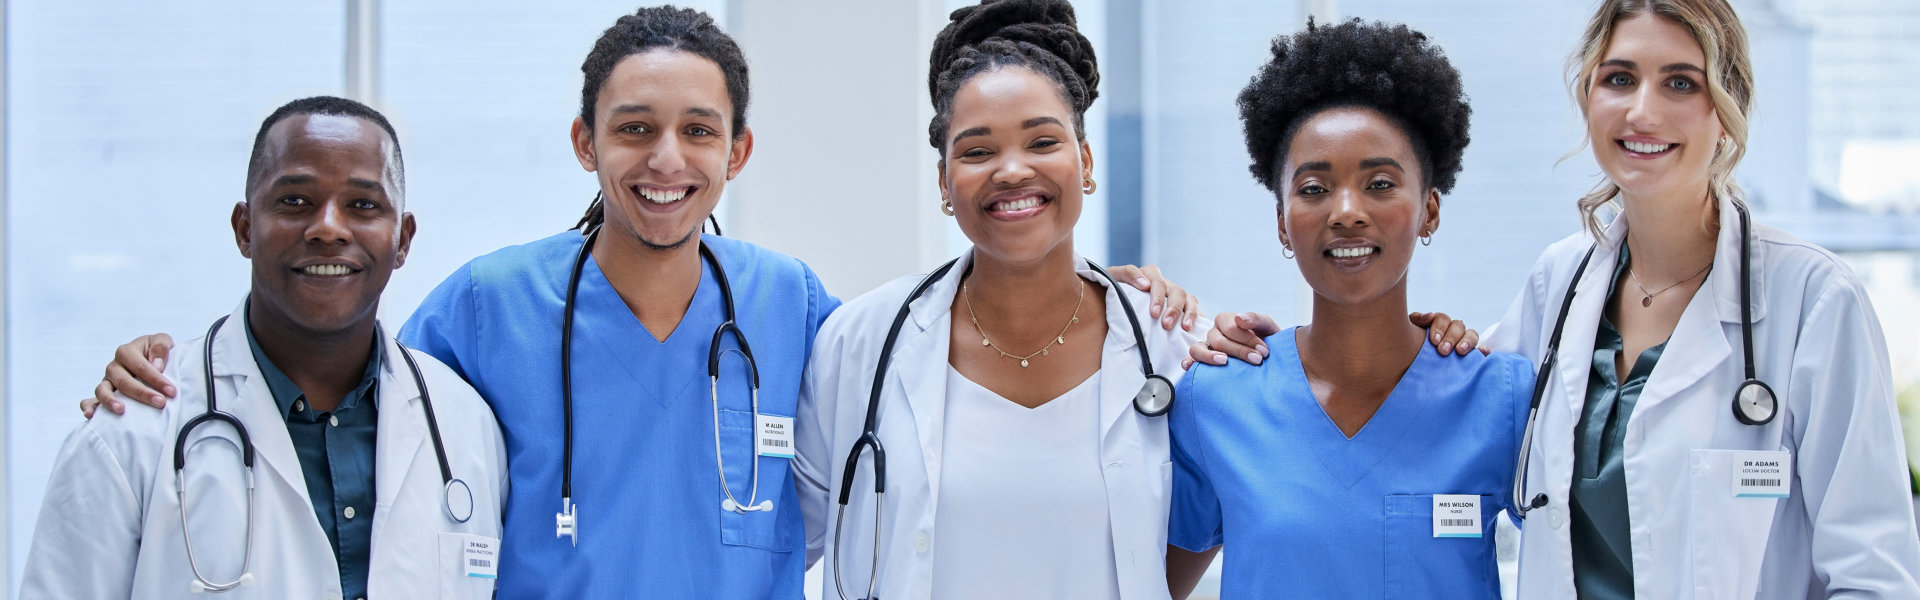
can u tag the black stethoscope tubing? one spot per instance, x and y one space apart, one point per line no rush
731 324
1154 399
1753 402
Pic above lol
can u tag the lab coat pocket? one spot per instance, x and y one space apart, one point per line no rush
463 574
1726 534
768 529
1421 565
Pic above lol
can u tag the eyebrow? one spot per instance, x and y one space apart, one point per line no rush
970 133
1313 166
1381 162
1672 68
304 179
629 109
1027 124
1038 121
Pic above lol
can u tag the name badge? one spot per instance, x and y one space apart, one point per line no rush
775 435
1762 474
483 557
1456 515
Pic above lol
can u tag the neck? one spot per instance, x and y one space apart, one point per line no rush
1346 342
325 364
657 284
1024 300
1672 237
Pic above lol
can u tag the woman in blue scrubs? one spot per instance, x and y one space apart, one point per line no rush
1353 463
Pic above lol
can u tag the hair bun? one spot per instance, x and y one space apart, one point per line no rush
1047 24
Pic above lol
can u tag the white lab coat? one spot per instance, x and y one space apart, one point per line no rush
110 524
833 401
1846 530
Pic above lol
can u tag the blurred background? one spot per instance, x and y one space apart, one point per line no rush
127 126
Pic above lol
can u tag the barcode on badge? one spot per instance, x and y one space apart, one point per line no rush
481 563
1457 523
1760 482
778 443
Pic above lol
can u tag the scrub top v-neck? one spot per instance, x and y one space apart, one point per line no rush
1259 466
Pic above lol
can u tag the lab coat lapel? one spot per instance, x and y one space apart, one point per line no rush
1120 376
920 366
248 399
1701 334
399 433
1574 361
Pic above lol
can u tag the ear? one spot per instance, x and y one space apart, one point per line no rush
583 145
243 229
1280 219
738 153
1086 161
1432 222
406 240
940 166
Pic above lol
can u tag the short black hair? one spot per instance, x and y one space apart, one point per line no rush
1387 68
661 27
1041 35
323 105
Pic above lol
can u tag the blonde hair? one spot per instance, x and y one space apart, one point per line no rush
1729 85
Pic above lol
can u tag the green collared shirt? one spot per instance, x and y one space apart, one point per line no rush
336 450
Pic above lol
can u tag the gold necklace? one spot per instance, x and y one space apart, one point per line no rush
1060 338
1646 299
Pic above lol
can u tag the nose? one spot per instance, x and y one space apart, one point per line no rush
1349 210
1013 170
669 156
329 225
1641 108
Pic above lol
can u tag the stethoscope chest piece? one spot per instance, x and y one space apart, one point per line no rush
458 501
1755 403
1155 397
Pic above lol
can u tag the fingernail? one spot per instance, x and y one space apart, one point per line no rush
1436 337
160 363
1445 347
119 410
1142 282
1219 358
170 391
156 399
1253 357
1262 349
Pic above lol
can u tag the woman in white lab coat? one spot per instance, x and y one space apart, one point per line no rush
1008 401
1644 477
111 523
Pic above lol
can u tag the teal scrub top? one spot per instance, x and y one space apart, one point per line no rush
1309 513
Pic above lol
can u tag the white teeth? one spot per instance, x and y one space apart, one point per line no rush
1021 204
1350 252
327 270
664 196
1644 148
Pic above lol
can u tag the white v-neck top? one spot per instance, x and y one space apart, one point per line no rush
1022 511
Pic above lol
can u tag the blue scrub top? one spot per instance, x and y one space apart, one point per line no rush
1308 513
645 482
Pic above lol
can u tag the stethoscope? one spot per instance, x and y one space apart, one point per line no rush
1153 400
566 522
1753 403
456 498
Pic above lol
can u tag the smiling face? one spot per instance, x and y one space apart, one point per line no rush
1353 202
661 145
1649 118
1014 166
323 221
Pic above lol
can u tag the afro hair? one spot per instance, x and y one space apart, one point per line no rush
1388 68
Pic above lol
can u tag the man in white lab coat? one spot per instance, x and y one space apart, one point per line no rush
367 469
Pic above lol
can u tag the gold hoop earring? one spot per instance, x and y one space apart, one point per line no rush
1089 186
946 206
1286 251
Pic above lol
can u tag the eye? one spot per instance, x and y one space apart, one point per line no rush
293 201
699 131
1618 80
1311 189
1682 84
1380 184
1044 143
975 153
365 204
634 129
